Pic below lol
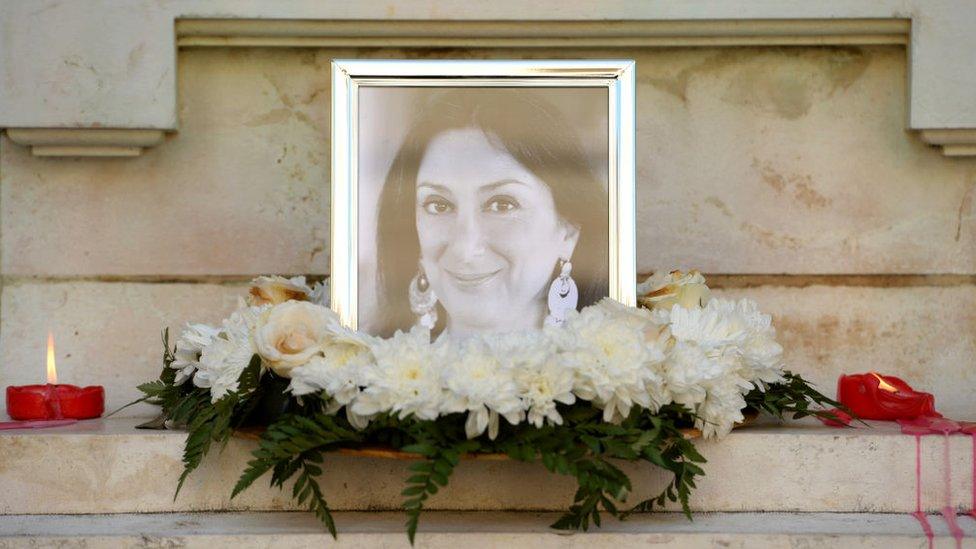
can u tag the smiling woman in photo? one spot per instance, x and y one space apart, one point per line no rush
489 206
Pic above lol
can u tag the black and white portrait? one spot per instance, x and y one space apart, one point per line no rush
481 209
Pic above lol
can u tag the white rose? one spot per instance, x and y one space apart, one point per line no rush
662 291
273 290
291 333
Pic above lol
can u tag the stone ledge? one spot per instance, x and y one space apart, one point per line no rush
85 141
954 141
498 529
108 467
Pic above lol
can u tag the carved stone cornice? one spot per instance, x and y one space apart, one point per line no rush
85 141
547 34
103 67
954 142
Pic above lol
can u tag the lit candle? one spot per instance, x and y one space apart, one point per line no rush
54 401
873 396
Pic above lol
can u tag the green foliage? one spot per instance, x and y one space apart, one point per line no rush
428 476
205 424
191 407
794 397
293 445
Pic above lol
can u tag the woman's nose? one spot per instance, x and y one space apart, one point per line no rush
468 242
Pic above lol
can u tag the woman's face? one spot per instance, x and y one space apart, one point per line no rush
489 233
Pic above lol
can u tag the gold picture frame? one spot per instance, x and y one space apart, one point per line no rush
350 76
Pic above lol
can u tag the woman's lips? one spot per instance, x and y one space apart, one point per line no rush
471 280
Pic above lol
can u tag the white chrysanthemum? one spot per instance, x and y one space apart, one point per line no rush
404 378
721 352
686 369
339 372
616 353
478 382
738 332
223 361
542 382
188 348
762 356
712 327
338 369
721 409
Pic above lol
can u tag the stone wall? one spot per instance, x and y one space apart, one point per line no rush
785 172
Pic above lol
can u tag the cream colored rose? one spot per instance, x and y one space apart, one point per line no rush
292 333
272 290
662 291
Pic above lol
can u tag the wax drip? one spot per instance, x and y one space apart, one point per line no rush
969 428
948 511
972 505
919 427
918 514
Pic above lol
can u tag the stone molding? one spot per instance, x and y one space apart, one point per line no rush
85 141
954 142
548 34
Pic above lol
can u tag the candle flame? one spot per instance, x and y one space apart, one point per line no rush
884 385
52 371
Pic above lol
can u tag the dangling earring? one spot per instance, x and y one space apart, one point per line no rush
563 295
423 300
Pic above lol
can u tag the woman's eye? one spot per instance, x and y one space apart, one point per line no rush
501 204
437 205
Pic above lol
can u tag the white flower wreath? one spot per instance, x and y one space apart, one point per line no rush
683 347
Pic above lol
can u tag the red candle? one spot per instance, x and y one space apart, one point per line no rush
873 396
54 401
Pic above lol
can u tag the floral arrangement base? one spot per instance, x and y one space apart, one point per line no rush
612 383
385 452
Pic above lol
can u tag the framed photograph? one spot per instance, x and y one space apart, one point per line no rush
480 196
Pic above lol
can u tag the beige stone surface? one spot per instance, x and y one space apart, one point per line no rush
107 467
749 161
105 333
925 335
791 161
494 529
242 190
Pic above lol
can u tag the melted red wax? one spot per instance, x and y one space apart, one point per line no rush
920 515
969 428
929 426
883 397
873 396
836 417
919 427
948 512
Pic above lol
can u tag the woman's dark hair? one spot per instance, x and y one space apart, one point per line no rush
536 134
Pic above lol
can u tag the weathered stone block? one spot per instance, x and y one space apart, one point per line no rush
749 161
104 333
807 467
925 335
